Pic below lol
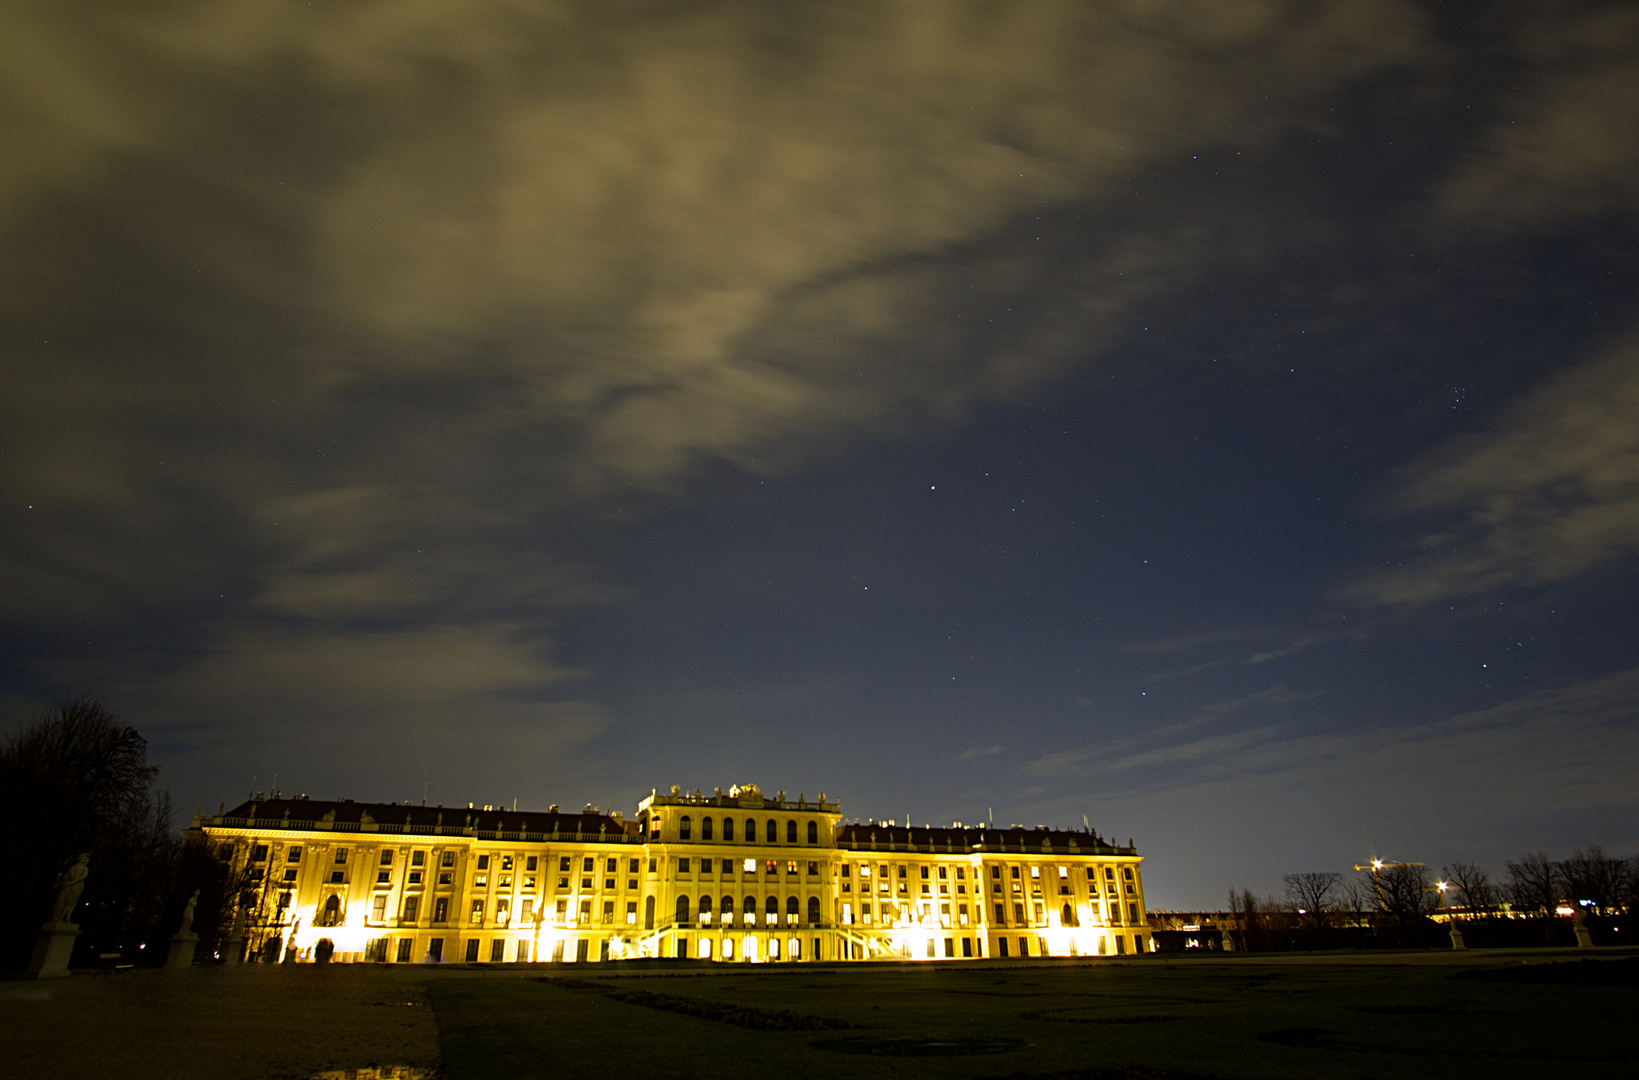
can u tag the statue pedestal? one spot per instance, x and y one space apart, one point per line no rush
1583 939
52 950
236 951
1457 939
182 950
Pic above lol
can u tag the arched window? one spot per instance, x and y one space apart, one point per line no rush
648 914
705 909
1067 917
332 912
772 908
728 828
682 909
751 830
813 832
773 831
727 909
751 910
705 828
792 909
813 909
791 832
683 828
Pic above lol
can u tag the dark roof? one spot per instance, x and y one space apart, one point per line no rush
874 836
395 817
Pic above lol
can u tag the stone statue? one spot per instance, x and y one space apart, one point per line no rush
187 912
69 887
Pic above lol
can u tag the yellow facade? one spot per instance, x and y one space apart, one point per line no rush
731 876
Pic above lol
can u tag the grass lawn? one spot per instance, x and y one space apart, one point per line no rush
1356 1015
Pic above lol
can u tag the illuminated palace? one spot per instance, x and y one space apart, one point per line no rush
730 876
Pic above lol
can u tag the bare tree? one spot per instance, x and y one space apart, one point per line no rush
1591 879
1474 888
1314 895
1404 893
78 780
1533 884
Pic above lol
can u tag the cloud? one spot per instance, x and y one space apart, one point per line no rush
1551 494
979 752
1483 785
322 318
1130 753
1563 145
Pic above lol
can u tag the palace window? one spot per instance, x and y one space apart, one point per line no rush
705 909
412 907
341 856
813 869
506 862
483 862
586 865
683 868
258 853
749 866
683 829
477 915
751 830
378 908
791 832
384 877
924 873
813 909
773 831
632 866
705 828
531 864
728 828
813 832
415 877
293 855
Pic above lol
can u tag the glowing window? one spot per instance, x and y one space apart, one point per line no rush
749 866
1035 872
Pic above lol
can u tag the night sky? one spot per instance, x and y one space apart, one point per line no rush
1218 419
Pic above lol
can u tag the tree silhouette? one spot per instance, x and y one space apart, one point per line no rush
78 780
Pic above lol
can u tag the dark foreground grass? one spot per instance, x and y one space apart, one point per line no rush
1148 1019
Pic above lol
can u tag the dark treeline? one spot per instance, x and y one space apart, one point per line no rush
77 781
1538 901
